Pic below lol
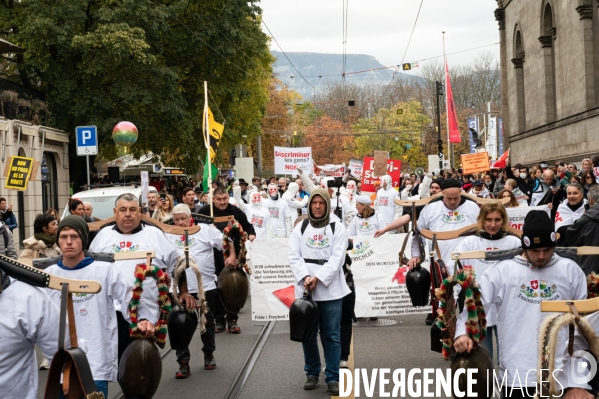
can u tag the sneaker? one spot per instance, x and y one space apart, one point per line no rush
209 362
233 327
183 371
333 388
429 319
45 364
343 364
311 383
220 327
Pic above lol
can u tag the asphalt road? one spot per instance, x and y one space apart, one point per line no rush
278 371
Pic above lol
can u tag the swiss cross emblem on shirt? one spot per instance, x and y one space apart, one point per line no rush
125 244
534 284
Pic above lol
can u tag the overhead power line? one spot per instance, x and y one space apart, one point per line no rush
281 48
398 65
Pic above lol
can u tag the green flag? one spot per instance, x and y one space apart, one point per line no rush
214 173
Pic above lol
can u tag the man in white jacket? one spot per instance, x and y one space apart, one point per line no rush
347 211
316 255
517 287
451 213
95 315
385 200
278 213
256 214
293 203
29 318
127 235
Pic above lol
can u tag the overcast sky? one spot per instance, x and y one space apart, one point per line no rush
381 28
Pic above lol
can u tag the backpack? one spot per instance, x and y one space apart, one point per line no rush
305 226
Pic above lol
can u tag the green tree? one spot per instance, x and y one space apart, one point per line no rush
400 134
145 61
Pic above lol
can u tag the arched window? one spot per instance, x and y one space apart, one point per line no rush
518 62
547 38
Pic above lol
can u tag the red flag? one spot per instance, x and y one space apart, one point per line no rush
454 131
500 163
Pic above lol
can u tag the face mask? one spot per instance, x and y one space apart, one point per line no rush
409 187
488 183
523 175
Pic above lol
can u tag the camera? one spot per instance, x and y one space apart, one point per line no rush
336 183
162 196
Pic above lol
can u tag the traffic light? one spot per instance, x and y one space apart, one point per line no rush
439 87
351 103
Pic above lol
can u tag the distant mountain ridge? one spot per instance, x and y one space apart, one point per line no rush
329 66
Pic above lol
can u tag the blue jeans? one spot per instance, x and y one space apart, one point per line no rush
330 337
488 342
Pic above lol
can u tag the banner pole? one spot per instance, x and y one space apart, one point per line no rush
449 144
207 142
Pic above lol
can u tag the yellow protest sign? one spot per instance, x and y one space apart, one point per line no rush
19 171
477 162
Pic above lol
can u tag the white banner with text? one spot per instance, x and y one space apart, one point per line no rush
379 279
288 159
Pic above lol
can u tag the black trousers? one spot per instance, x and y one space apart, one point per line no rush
221 315
212 300
123 334
347 316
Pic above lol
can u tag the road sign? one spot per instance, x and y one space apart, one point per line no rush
399 111
406 67
87 140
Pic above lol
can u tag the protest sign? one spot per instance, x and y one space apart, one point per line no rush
288 159
356 167
19 172
378 278
477 162
380 162
331 170
369 177
516 216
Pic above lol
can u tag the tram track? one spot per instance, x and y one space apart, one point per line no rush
246 368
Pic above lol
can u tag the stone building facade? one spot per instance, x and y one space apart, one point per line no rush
549 79
50 189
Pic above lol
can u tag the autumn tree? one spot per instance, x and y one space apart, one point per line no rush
399 133
331 141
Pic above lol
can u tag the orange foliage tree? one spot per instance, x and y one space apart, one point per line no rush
331 141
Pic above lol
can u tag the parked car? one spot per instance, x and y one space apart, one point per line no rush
103 199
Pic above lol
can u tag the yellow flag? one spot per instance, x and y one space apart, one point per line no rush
216 133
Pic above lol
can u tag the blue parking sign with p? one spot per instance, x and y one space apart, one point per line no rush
87 140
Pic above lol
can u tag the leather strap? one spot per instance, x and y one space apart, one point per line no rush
438 250
72 326
63 317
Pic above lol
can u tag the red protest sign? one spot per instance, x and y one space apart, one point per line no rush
369 177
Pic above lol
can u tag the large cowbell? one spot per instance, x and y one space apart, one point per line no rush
477 359
418 282
182 324
140 369
233 288
303 316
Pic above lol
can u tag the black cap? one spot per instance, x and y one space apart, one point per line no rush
242 181
478 182
451 183
76 223
538 231
197 190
